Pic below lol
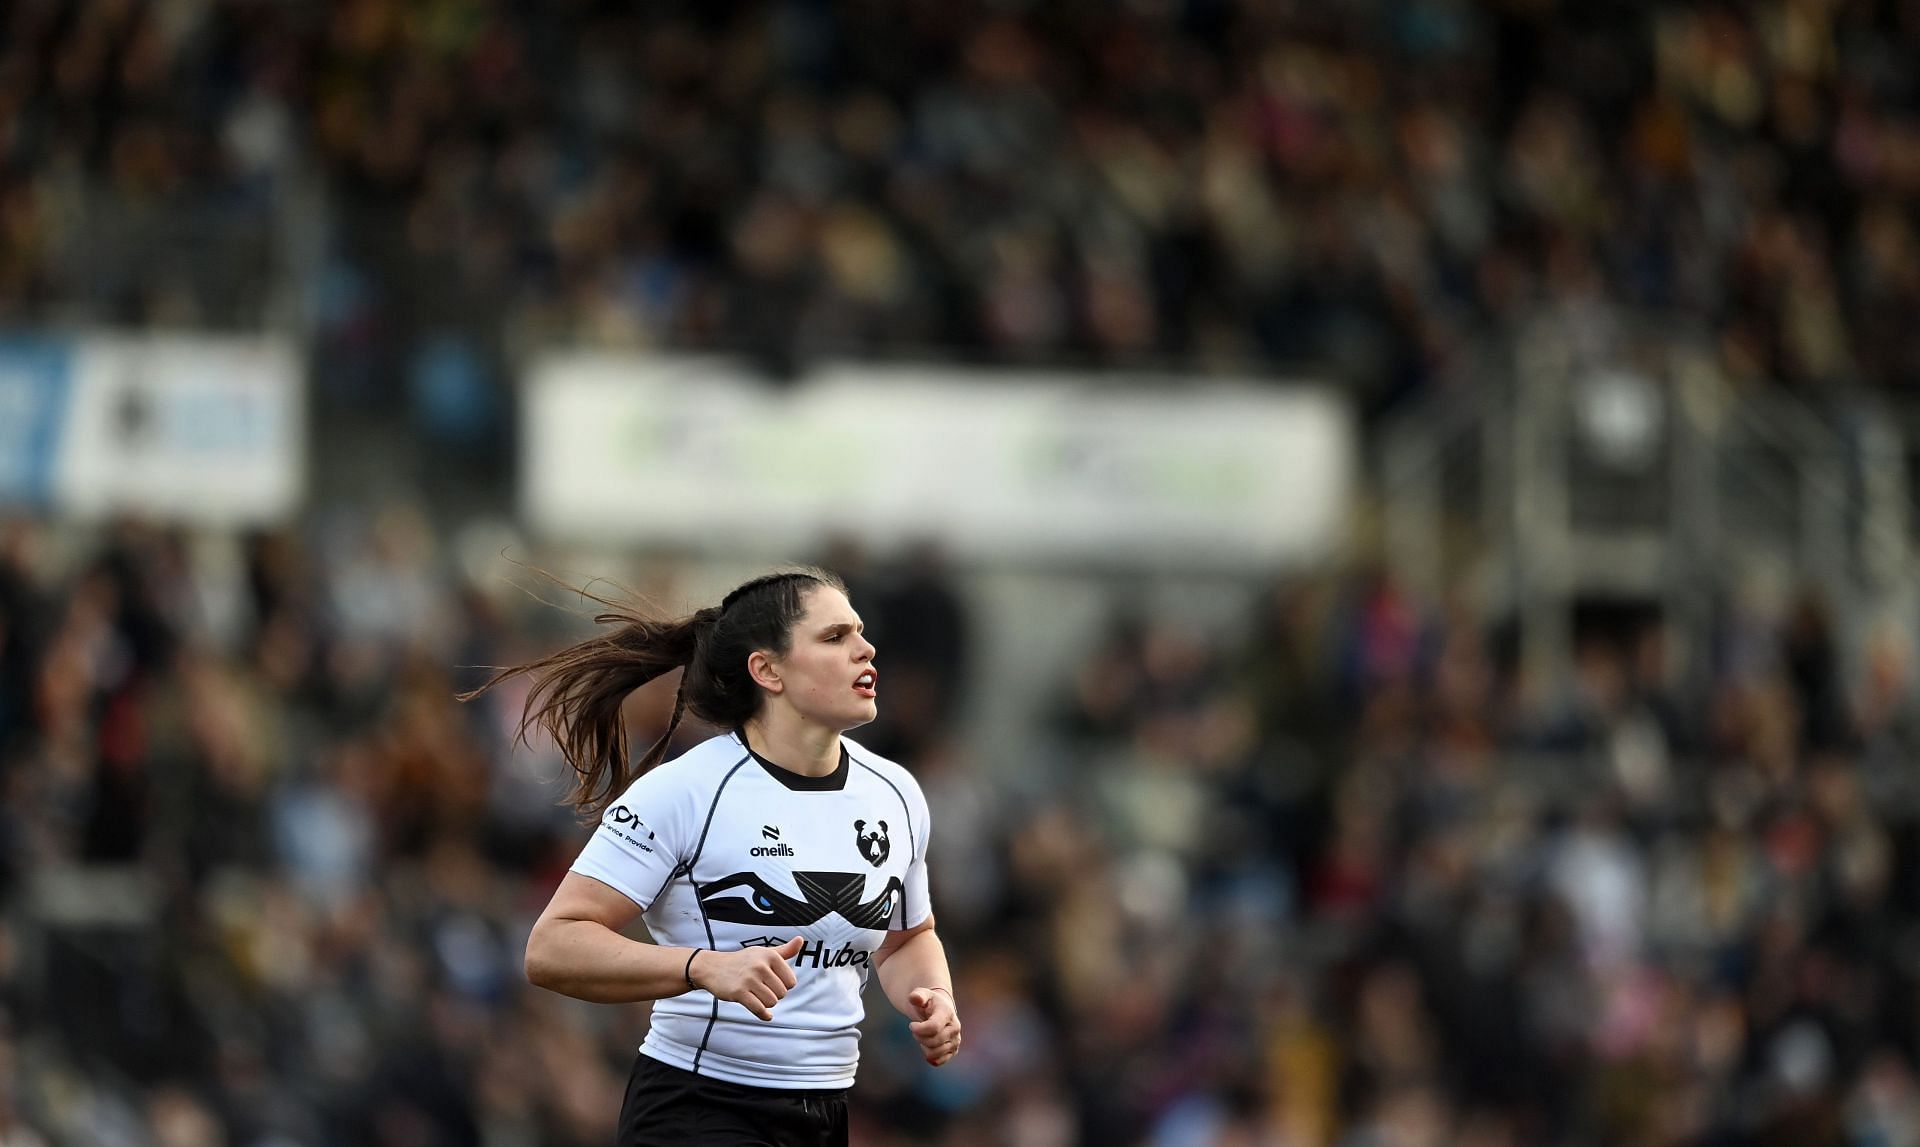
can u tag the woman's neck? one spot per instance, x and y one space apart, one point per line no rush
797 745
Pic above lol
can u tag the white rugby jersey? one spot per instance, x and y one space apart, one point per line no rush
722 849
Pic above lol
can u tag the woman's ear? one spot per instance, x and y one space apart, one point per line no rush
761 668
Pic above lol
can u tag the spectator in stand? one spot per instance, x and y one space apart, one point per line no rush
1483 941
1220 184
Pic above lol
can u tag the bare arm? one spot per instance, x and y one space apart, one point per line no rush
913 972
576 949
912 959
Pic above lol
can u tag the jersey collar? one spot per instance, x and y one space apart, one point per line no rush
832 782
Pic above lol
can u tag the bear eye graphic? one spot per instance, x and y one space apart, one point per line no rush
754 898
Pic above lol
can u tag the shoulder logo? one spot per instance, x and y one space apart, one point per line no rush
770 831
625 823
624 817
873 841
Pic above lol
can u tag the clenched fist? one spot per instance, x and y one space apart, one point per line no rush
938 1028
754 978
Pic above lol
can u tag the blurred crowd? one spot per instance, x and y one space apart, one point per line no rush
1365 883
1338 876
1360 187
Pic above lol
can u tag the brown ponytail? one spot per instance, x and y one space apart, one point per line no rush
578 692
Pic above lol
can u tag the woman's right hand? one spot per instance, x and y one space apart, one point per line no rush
755 978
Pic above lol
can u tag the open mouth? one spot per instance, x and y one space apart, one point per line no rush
865 683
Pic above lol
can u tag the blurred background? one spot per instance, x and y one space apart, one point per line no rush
1389 527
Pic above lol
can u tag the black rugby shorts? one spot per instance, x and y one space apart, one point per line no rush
667 1106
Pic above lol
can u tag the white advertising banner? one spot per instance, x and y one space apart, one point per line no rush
700 455
197 429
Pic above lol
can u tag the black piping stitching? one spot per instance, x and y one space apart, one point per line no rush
913 842
714 1016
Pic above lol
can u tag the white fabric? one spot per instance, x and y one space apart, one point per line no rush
767 855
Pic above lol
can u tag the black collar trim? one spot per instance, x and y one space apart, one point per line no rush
799 782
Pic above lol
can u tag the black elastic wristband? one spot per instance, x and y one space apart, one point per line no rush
688 970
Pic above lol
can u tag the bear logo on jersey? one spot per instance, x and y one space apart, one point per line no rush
874 844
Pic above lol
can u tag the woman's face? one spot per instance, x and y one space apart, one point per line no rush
827 673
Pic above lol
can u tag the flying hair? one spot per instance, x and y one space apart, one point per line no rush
578 691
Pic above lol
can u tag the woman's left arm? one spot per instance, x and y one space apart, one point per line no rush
913 972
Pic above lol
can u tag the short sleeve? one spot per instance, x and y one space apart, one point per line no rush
637 847
917 905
